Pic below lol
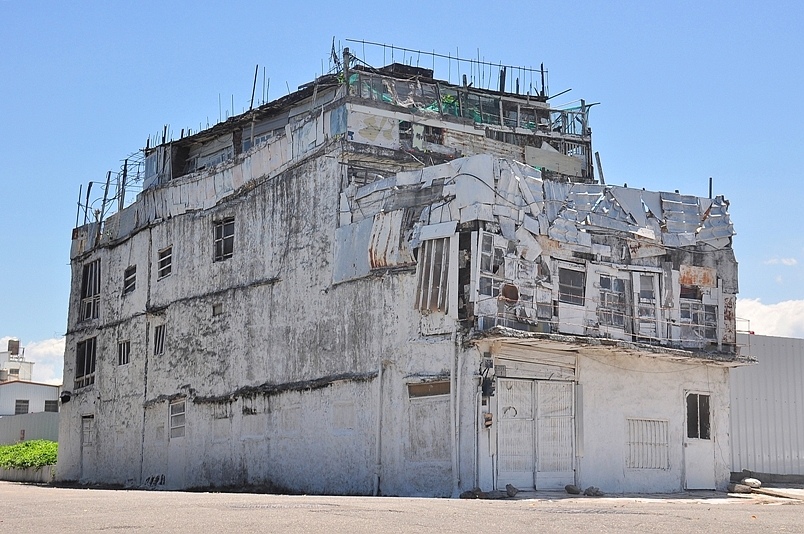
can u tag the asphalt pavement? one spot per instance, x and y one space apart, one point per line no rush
45 509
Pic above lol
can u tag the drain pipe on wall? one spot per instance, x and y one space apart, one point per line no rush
378 441
455 389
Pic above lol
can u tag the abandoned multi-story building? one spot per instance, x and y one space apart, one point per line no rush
385 283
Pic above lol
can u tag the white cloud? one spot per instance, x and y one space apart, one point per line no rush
781 319
47 355
787 262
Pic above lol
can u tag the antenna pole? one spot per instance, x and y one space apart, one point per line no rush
254 87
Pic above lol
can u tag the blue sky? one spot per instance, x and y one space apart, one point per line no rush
688 90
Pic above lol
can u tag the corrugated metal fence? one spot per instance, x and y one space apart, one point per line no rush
767 407
42 425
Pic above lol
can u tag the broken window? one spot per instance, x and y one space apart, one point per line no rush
21 406
87 430
159 340
51 406
90 291
165 264
571 286
648 444
611 309
123 352
492 263
698 416
85 363
646 307
129 279
224 239
698 320
177 418
432 290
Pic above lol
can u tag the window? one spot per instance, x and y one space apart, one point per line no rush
698 420
224 239
165 265
123 352
159 340
646 307
51 406
129 279
432 289
611 309
698 320
571 286
177 420
428 389
87 429
217 309
85 363
14 371
90 291
648 444
21 407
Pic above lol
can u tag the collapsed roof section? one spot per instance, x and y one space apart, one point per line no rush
544 256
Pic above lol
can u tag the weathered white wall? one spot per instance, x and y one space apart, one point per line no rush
767 403
618 387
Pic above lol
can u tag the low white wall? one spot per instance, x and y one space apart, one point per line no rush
30 474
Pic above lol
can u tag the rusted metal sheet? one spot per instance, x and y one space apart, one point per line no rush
640 249
729 319
386 246
690 275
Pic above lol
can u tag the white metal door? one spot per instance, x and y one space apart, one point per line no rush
87 448
555 430
535 434
515 444
699 448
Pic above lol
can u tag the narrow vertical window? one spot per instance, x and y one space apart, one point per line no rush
224 239
129 279
177 418
611 308
123 352
159 340
85 363
90 291
165 265
432 290
698 416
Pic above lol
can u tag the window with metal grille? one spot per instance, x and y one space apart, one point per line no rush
21 406
123 352
224 239
177 418
87 430
648 444
611 309
129 279
51 406
698 416
85 363
165 264
432 290
90 290
159 339
571 286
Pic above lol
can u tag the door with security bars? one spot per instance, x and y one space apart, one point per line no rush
535 435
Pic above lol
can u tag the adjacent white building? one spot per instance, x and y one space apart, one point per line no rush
386 283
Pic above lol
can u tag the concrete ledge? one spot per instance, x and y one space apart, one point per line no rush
767 478
30 474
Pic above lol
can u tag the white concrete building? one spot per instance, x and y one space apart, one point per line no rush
386 283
